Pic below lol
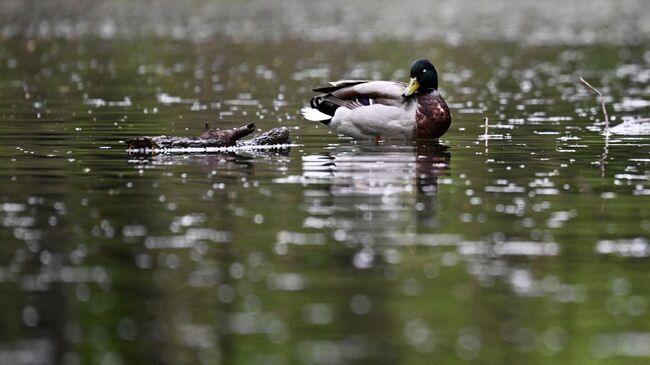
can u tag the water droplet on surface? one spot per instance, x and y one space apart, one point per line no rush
30 316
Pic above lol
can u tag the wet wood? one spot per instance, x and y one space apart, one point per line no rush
211 138
227 136
275 136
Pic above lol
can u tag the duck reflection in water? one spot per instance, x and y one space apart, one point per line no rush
375 194
380 170
432 160
370 200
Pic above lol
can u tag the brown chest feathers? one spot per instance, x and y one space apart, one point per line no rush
432 116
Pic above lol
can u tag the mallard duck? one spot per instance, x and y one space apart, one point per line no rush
384 109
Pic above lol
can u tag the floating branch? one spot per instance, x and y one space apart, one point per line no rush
275 136
210 139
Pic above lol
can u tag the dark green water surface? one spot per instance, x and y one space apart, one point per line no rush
530 246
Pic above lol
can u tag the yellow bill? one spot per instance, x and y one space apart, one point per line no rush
412 87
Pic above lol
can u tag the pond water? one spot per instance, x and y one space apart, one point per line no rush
526 245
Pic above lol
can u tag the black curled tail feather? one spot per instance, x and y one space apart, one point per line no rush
315 101
323 105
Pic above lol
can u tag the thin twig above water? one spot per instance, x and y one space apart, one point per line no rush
603 158
602 103
486 134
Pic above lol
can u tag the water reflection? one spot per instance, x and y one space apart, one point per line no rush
215 163
362 202
368 195
530 247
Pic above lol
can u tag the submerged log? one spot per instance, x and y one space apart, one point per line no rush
212 138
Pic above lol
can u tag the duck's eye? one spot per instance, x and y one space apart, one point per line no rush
423 71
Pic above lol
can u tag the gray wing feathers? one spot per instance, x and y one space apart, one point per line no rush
356 93
336 85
